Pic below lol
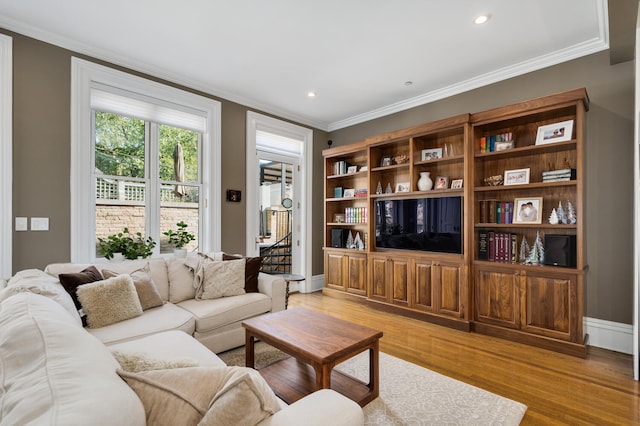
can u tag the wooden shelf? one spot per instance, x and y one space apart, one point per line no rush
527 150
524 225
534 185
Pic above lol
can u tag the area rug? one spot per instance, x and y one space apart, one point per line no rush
410 394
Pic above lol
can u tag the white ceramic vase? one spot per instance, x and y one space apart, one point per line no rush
117 257
425 183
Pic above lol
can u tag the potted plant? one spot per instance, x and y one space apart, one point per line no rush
180 238
125 245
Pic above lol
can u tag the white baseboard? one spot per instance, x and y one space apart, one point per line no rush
610 335
603 334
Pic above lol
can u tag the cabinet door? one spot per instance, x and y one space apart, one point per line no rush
449 279
423 286
549 306
497 296
334 270
378 278
357 274
399 281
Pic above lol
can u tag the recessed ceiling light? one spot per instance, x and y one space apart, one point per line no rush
481 19
311 94
408 83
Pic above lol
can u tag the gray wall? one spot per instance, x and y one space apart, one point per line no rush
609 157
41 149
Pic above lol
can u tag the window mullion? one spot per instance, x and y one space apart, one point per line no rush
152 174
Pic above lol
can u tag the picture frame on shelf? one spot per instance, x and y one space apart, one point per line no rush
431 154
386 161
364 168
403 187
442 182
339 218
516 176
527 210
352 169
557 132
349 192
504 145
456 184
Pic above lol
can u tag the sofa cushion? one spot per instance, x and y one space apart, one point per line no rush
71 281
215 313
251 271
221 279
54 372
180 280
156 268
172 344
39 282
145 286
203 395
109 301
152 321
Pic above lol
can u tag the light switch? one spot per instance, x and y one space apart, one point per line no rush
21 223
39 223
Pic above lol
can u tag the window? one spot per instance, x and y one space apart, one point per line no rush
144 156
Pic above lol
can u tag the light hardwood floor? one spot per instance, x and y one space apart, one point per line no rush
557 389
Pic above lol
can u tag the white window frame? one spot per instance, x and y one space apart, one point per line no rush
6 155
84 76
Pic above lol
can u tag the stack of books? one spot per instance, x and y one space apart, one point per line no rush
499 246
559 175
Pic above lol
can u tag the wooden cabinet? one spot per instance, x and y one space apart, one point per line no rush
346 271
494 283
390 279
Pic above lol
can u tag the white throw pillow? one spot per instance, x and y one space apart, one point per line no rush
180 280
109 301
223 278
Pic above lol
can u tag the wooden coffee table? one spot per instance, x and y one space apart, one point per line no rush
316 343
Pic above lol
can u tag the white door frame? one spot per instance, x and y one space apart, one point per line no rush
6 155
303 200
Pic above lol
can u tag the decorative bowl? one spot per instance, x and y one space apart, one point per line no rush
494 180
401 159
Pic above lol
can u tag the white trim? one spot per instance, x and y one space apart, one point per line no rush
256 122
610 335
6 155
317 283
595 45
83 75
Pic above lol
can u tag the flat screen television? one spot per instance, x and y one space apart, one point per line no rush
427 224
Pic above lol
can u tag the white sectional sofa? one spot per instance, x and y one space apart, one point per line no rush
216 323
55 372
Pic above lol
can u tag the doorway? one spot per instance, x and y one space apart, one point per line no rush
278 206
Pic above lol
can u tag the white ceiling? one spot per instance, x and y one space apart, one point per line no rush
355 54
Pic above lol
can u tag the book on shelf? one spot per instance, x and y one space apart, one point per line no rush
559 175
361 192
498 246
494 211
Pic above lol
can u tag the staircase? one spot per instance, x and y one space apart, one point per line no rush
276 258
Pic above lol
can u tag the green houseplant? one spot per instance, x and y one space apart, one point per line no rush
132 246
181 237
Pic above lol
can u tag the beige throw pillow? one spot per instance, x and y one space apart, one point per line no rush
203 395
109 301
180 280
135 361
223 278
145 287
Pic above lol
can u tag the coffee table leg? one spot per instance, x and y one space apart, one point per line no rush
323 376
248 350
374 374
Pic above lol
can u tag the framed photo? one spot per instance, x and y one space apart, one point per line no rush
516 176
442 182
456 184
385 161
403 187
431 154
234 195
364 168
352 169
350 192
339 218
558 132
527 210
